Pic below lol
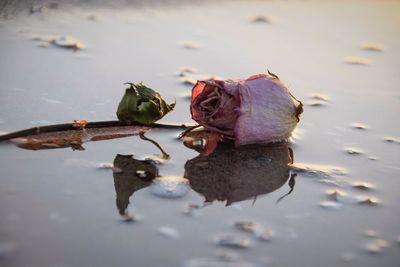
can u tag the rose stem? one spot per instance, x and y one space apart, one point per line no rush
165 154
95 124
188 130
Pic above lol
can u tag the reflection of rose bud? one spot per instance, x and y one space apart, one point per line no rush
259 109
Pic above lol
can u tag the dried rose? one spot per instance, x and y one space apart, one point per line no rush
142 104
259 109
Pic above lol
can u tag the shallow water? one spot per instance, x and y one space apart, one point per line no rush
58 206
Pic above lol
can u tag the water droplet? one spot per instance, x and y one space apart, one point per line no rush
209 77
344 198
330 205
169 232
330 182
233 241
369 201
375 246
370 233
44 38
354 60
261 19
105 166
353 151
320 97
391 139
246 226
170 187
67 42
192 210
316 103
319 171
266 235
185 70
372 248
359 126
375 47
188 81
362 186
190 45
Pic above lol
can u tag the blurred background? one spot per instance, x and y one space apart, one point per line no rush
67 60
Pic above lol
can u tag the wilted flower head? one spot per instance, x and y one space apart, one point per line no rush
142 104
259 109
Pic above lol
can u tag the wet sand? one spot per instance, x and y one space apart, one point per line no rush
58 206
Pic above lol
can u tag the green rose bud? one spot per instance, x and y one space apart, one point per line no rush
142 105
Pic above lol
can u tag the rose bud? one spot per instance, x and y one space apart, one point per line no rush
259 109
142 105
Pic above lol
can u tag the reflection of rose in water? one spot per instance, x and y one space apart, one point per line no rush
236 174
221 172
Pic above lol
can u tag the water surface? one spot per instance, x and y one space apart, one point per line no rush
58 208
